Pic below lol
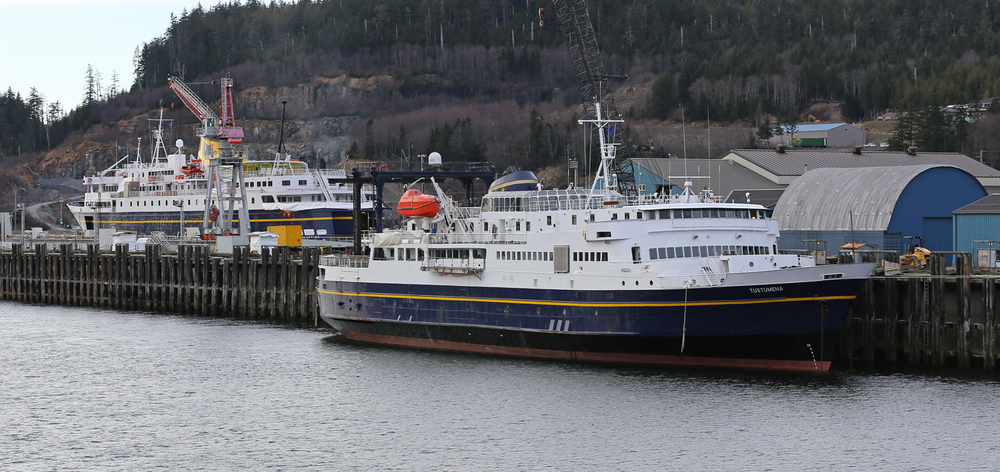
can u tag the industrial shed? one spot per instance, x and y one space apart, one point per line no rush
782 168
829 134
977 230
725 178
878 206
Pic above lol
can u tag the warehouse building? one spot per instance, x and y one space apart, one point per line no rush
821 135
782 168
725 178
977 230
878 206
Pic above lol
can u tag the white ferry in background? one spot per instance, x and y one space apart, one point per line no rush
170 191
592 275
153 196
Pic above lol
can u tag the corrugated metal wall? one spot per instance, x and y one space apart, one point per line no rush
969 228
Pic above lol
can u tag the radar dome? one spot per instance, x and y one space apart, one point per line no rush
179 143
434 158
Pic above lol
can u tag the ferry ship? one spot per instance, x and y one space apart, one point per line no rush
156 195
172 193
592 275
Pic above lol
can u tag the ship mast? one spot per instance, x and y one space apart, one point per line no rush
605 127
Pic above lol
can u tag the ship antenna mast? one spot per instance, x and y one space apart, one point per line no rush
594 88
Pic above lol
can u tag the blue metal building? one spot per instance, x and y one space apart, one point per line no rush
879 206
977 230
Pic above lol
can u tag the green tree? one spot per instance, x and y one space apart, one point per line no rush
663 97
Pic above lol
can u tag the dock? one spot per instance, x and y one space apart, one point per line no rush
277 285
922 320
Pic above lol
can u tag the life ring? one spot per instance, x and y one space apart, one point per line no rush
90 179
179 177
383 167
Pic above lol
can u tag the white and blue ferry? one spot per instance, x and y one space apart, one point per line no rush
593 275
170 191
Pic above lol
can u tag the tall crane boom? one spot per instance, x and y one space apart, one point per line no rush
192 101
574 20
222 125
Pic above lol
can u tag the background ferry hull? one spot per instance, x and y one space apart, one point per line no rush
335 222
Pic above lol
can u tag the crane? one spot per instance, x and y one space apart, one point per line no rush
218 134
574 20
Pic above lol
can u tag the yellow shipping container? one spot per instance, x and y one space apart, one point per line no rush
290 235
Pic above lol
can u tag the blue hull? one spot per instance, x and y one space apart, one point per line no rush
797 329
335 222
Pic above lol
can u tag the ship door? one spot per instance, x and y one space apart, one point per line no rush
88 222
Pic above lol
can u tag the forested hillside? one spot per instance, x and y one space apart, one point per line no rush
491 79
738 58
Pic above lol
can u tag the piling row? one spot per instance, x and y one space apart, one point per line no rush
929 321
277 285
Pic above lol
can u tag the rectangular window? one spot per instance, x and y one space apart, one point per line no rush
652 253
670 253
695 213
286 182
694 251
302 182
548 220
687 251
575 255
711 251
664 214
574 219
704 251
527 226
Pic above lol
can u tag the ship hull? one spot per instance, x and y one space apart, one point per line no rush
718 326
333 221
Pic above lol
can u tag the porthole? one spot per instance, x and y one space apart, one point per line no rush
751 264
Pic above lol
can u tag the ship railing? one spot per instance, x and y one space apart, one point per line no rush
345 260
478 238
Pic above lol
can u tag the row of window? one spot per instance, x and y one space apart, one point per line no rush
705 251
707 213
268 183
524 256
590 257
541 203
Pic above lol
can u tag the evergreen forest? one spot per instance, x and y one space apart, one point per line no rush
724 60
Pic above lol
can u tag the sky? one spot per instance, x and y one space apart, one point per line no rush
47 44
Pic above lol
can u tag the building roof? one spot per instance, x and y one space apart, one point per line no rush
767 197
859 199
721 175
988 205
783 168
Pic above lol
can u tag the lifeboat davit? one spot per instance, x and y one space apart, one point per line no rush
414 204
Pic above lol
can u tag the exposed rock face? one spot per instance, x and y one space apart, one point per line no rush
319 116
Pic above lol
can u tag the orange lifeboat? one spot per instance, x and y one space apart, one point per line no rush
192 168
414 204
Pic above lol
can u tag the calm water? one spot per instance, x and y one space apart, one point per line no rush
86 389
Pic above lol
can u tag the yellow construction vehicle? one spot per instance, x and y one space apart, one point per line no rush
916 255
813 119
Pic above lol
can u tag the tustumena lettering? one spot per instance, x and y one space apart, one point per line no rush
766 289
